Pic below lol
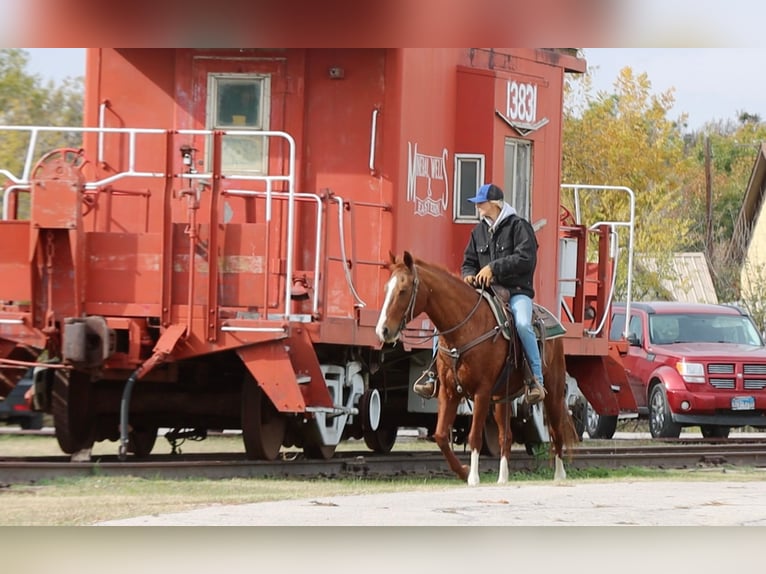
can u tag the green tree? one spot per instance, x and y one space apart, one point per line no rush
625 138
26 100
733 148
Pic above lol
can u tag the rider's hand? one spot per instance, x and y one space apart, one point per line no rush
484 277
470 279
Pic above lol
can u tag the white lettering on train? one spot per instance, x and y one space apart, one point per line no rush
521 101
427 181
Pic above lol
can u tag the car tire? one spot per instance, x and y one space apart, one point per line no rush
661 424
599 426
714 431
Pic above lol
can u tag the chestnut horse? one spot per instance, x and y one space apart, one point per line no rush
470 360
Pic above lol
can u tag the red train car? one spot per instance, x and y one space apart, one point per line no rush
211 254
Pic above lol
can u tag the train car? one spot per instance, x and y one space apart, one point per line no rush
211 253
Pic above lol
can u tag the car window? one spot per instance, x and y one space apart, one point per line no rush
703 328
636 328
618 326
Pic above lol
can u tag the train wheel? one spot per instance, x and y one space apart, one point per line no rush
381 439
71 412
490 445
141 441
312 443
263 426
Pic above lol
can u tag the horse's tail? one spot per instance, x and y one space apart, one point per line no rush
561 426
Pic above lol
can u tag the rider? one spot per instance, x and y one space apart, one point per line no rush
503 249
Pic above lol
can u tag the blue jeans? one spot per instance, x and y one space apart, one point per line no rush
521 307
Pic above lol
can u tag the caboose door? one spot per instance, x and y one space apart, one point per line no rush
245 214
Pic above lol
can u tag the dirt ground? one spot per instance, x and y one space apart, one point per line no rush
570 503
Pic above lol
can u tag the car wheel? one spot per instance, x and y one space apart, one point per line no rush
599 426
661 424
713 431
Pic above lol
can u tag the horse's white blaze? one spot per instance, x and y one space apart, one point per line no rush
473 473
560 473
502 474
384 309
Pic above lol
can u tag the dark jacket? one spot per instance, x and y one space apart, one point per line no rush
510 250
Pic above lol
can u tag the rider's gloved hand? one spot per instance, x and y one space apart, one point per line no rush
484 277
470 279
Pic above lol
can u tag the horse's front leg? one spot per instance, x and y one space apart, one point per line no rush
480 409
444 420
504 439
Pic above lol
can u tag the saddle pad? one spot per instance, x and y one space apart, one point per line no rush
553 327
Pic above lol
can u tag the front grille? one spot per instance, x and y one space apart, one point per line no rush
722 383
754 373
720 368
754 369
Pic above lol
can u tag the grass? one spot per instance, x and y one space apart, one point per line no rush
89 500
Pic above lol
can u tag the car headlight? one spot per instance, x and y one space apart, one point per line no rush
691 372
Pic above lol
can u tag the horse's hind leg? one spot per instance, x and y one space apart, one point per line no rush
504 439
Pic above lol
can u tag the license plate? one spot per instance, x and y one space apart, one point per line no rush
742 404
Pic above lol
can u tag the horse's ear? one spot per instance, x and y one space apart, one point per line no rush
392 260
408 259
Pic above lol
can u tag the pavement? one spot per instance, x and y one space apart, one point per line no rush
568 503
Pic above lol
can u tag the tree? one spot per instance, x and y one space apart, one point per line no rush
625 138
26 100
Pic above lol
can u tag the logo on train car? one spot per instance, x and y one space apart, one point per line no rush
427 182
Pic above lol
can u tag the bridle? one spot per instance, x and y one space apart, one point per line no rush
410 311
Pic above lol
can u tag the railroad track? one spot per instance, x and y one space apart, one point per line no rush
664 455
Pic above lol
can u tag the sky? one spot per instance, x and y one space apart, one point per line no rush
710 83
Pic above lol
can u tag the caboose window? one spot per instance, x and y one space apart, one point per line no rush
469 176
240 102
517 182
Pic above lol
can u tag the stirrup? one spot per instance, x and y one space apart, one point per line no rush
427 388
535 392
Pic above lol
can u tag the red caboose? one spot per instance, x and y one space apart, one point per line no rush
212 257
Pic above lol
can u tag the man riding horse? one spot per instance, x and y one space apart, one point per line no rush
502 251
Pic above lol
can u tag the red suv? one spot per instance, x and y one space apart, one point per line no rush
693 364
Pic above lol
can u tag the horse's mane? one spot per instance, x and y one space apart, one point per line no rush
438 269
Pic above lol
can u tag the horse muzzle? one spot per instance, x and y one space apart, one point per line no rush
387 335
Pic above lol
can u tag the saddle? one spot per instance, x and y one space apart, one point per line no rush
545 325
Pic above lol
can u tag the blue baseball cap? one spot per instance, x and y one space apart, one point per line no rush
487 192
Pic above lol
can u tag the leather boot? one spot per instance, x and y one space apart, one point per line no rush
535 391
425 386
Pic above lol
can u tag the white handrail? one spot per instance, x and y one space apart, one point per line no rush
630 224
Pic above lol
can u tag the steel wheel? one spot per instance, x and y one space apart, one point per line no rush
381 439
263 426
141 441
71 412
312 443
490 445
660 423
